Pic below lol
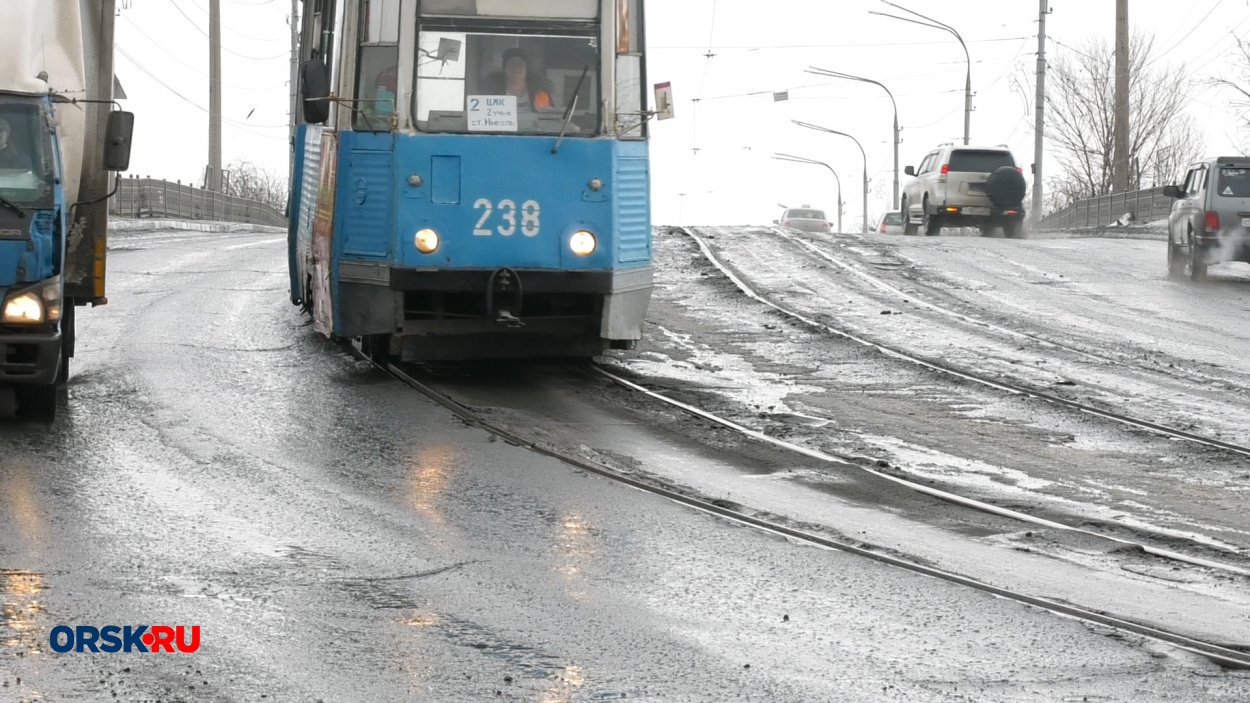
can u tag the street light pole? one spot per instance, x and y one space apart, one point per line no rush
847 76
803 160
930 22
861 152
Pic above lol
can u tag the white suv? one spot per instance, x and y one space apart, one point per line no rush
965 186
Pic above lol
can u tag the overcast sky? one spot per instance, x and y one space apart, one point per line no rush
718 52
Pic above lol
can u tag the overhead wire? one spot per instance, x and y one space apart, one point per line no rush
236 33
244 126
694 110
286 55
194 69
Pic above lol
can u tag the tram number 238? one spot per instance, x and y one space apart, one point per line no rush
506 219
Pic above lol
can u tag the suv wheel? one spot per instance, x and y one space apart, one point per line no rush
932 225
909 229
1014 228
1176 260
1196 262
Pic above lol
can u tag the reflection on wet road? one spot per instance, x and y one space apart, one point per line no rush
337 537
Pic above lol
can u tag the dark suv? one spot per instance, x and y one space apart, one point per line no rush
965 186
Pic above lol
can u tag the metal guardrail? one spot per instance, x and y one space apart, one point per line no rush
1144 205
150 197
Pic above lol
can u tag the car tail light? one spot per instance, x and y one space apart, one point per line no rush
946 168
1013 212
881 229
952 210
1213 221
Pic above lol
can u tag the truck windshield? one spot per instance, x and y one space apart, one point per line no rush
502 81
25 155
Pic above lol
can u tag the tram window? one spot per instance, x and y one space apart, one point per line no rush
377 66
376 88
550 9
382 21
554 64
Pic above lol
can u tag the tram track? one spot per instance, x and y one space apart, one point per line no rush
1225 654
915 298
953 371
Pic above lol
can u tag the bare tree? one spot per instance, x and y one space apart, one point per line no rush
1080 120
1241 84
247 180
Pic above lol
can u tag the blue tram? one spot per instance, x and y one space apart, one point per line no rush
471 176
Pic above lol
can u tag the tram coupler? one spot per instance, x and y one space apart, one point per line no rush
503 298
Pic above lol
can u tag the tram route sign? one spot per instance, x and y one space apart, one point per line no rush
492 113
664 100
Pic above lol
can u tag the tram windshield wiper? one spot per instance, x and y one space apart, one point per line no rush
12 206
568 110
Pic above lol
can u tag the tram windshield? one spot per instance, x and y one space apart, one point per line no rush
509 79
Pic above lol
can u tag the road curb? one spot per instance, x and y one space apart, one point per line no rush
140 225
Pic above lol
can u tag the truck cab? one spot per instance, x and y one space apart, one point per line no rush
35 333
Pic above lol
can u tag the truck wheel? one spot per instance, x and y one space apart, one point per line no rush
37 403
67 343
1176 260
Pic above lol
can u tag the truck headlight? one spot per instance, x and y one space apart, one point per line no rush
583 243
36 305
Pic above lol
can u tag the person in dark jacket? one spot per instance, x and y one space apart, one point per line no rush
518 80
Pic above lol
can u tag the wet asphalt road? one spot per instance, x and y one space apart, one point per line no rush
337 537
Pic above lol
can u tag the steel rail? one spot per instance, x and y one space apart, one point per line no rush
1222 654
960 373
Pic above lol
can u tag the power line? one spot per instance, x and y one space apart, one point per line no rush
784 47
235 32
244 126
175 56
285 55
1191 31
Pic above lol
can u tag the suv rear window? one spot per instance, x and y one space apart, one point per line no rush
1234 182
805 215
979 161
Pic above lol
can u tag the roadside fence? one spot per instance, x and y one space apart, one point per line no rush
150 197
1144 205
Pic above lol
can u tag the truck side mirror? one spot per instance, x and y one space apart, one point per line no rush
909 170
1171 191
118 131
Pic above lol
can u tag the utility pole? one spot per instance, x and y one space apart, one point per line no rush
1120 165
1039 112
213 180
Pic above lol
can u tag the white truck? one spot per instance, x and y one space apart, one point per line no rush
60 135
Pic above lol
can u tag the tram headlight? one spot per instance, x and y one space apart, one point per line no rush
36 305
426 241
583 243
